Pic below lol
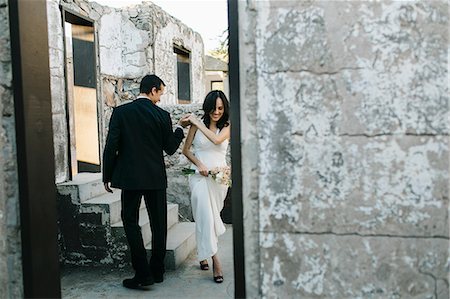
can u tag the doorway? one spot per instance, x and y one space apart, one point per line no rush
45 226
81 84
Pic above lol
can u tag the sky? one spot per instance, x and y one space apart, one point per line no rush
207 17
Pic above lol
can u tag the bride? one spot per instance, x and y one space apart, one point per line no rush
209 139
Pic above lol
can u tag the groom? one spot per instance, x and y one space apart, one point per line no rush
133 161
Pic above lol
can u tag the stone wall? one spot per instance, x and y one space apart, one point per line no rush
130 43
344 110
10 240
178 186
58 90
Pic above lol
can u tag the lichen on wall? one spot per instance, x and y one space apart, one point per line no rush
345 134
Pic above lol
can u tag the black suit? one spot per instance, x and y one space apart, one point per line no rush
133 161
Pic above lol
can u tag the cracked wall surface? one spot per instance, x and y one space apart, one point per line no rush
11 285
345 132
130 43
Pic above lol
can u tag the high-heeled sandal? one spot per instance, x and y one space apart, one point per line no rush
218 278
204 266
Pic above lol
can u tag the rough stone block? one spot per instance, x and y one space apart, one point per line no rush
351 266
6 86
94 219
93 235
5 49
90 256
301 47
61 147
373 60
301 103
12 209
54 20
383 185
58 93
109 94
7 101
118 236
178 192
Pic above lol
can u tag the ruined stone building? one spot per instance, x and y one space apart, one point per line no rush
216 75
105 52
97 57
340 135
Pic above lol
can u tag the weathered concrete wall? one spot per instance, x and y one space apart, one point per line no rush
10 240
345 104
58 90
130 43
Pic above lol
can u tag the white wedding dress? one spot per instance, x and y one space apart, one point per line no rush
207 196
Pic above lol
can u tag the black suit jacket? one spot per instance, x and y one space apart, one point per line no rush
138 134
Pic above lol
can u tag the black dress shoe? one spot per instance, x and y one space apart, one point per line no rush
137 283
158 278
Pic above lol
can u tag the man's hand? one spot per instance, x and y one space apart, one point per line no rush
107 188
184 121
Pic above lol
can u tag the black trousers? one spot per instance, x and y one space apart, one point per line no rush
156 203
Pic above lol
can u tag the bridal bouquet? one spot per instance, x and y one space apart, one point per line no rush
221 175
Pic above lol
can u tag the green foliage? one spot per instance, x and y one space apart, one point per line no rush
221 52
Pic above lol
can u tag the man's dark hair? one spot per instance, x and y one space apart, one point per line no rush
209 105
150 81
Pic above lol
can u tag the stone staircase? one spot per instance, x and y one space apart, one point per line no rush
91 229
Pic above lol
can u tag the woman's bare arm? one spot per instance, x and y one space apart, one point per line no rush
187 152
214 138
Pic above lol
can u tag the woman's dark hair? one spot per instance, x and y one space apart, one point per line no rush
150 81
209 105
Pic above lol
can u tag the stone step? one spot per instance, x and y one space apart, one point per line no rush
94 230
180 243
118 231
172 215
109 205
85 186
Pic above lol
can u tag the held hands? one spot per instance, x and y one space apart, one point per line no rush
193 120
189 119
184 121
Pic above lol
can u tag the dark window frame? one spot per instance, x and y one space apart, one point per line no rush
75 18
183 58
